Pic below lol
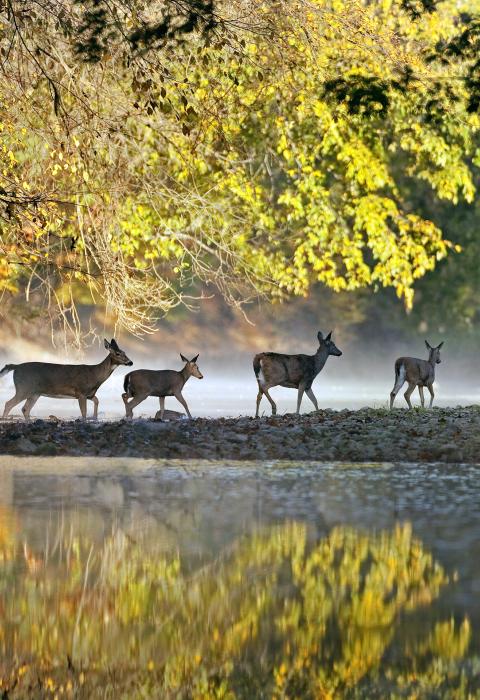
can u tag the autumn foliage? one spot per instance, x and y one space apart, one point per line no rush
153 156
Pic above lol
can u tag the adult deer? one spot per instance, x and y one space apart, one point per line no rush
416 372
292 371
35 379
142 383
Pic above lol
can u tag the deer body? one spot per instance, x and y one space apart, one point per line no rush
416 372
291 371
35 379
142 383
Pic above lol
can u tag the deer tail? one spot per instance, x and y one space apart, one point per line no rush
398 365
7 369
257 367
126 385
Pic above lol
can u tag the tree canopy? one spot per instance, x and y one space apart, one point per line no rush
152 152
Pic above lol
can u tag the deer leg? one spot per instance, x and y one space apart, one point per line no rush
272 402
129 406
408 393
259 398
82 402
399 382
12 402
430 389
94 400
301 389
28 405
312 397
159 414
180 398
422 398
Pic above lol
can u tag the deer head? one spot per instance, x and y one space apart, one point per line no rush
117 356
192 367
434 353
328 343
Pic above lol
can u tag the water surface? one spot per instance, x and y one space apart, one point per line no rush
240 579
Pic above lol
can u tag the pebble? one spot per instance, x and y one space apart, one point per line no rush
25 446
438 435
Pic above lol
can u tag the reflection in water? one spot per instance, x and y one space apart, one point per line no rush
275 615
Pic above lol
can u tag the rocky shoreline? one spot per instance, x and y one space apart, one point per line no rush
366 435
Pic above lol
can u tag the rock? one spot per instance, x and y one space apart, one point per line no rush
25 446
450 453
241 437
47 449
170 415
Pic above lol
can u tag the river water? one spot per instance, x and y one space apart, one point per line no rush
254 579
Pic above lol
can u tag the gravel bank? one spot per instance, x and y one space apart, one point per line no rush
437 435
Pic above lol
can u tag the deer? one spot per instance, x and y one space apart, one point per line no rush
35 379
142 383
416 372
292 371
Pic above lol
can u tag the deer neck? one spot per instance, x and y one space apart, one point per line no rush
185 374
105 368
320 358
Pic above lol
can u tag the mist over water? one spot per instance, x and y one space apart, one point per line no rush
226 343
229 388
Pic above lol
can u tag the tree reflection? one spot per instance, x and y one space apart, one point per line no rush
275 616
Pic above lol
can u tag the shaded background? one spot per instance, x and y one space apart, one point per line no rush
371 327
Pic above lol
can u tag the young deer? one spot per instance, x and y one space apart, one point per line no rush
143 383
292 371
416 372
35 379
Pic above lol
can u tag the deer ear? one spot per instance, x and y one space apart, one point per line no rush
106 343
194 359
114 345
320 336
329 336
428 345
184 359
439 346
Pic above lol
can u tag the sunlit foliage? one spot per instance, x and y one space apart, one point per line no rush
266 150
275 616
